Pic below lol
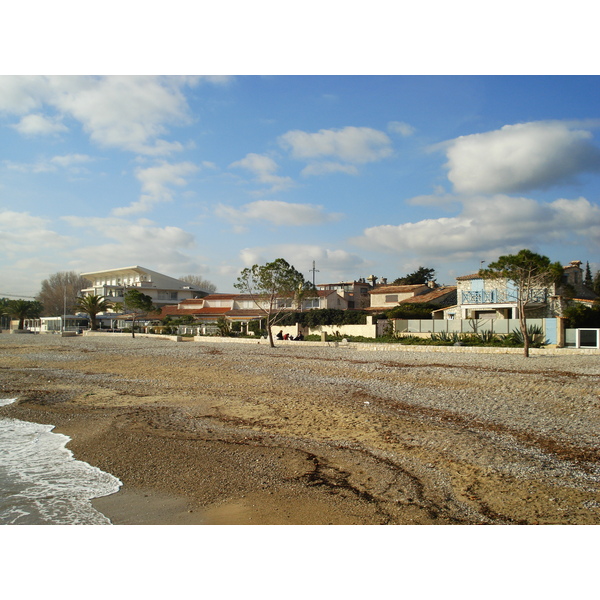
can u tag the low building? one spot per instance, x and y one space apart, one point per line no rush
236 308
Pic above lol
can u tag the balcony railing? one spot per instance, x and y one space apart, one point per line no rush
500 296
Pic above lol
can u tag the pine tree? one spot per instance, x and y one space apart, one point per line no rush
588 281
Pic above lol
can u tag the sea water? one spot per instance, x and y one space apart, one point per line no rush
40 481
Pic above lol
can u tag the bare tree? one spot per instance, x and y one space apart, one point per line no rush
60 291
199 282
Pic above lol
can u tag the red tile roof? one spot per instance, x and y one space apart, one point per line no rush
175 311
431 296
397 289
467 277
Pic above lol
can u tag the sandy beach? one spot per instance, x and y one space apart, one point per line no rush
226 433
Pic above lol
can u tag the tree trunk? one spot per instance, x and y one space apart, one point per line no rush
269 329
525 341
523 324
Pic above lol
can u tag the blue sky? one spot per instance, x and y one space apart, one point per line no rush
361 174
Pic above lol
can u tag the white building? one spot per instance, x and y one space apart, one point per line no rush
164 290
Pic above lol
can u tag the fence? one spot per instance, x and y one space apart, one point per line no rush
582 338
573 338
498 326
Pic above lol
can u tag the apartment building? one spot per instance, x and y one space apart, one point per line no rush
164 290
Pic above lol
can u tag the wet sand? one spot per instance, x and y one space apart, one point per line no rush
244 434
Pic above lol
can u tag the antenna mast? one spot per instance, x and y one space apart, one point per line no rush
313 271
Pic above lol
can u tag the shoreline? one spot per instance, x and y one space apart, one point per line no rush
132 507
244 434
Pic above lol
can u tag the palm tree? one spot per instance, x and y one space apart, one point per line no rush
24 309
93 305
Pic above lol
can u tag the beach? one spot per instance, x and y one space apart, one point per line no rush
241 433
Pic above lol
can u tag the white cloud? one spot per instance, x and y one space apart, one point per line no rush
141 231
404 129
333 265
439 200
325 168
520 157
22 94
141 242
276 212
264 169
579 216
127 112
155 186
489 226
22 234
42 166
36 124
70 162
356 145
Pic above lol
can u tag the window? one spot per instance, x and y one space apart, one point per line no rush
391 298
167 295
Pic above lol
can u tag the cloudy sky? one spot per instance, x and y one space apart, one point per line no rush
360 174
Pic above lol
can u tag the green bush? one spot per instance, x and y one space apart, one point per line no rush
411 311
533 331
445 336
324 316
579 316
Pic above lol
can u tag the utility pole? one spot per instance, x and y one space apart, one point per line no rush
64 321
313 271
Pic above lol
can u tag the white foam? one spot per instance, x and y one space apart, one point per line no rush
41 482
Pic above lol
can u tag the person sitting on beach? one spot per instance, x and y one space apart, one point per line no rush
286 336
280 335
299 337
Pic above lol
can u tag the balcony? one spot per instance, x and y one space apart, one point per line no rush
501 297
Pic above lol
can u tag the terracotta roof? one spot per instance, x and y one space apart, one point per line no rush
175 311
221 296
246 313
431 296
467 277
444 308
397 289
585 300
192 301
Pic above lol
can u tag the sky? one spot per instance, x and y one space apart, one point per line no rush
360 174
